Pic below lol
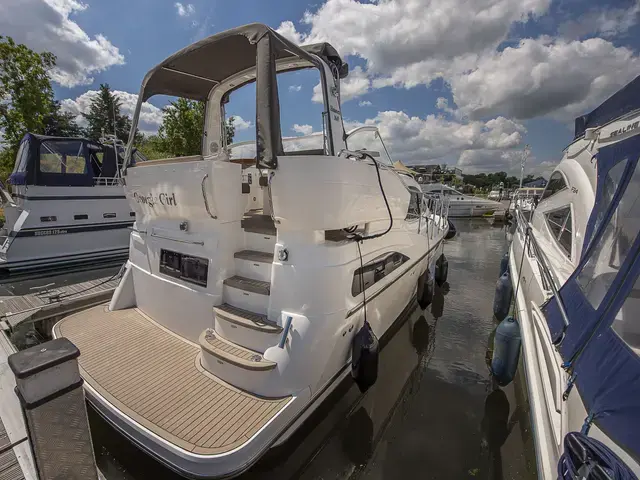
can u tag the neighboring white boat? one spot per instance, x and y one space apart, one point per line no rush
575 269
462 205
494 195
250 276
525 199
66 205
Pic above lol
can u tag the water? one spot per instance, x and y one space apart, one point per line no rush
432 414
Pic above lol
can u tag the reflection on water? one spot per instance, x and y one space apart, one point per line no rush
433 413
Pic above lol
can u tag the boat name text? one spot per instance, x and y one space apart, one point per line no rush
628 128
165 199
53 231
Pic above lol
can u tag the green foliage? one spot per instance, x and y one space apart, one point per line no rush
61 124
486 181
26 96
152 147
102 111
181 131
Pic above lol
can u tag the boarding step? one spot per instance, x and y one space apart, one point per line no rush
245 328
254 264
256 223
247 294
236 365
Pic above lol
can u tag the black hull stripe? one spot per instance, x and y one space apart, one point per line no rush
67 229
78 197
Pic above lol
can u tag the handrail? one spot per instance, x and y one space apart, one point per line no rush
204 196
285 332
542 262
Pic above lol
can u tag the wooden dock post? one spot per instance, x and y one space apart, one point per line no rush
49 387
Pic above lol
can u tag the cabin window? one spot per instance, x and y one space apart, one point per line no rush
626 323
609 188
375 270
23 157
613 245
62 158
414 204
556 183
51 218
82 216
560 226
108 215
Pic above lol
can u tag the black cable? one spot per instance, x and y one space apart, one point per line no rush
364 294
360 238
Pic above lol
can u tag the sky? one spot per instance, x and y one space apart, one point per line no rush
461 82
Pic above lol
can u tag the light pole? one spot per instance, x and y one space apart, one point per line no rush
523 161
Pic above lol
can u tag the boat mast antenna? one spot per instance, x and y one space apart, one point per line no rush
523 161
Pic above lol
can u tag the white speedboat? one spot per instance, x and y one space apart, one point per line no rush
525 199
66 205
575 270
462 205
249 278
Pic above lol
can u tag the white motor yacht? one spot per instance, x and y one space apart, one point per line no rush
575 270
249 277
525 199
462 205
66 205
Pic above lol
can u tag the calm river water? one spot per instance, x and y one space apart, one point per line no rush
432 414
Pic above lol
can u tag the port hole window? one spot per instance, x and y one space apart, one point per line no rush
556 183
613 245
561 228
375 270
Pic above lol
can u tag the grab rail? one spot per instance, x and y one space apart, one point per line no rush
204 196
285 333
542 262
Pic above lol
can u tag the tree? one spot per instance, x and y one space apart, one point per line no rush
104 108
152 147
181 131
61 124
26 96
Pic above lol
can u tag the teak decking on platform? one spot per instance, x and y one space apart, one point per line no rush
153 377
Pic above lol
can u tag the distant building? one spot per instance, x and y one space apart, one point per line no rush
539 182
434 173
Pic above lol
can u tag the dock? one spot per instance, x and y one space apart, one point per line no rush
44 307
54 303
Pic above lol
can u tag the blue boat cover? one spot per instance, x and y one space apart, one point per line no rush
623 101
606 368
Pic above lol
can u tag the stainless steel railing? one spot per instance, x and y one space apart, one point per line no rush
524 227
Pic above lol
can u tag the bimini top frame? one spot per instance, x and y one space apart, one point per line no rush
197 69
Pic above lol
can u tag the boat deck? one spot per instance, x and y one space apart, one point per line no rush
9 466
155 378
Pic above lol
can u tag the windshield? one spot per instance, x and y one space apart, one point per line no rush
371 141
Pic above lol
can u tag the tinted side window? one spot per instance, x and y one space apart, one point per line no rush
375 270
556 183
559 222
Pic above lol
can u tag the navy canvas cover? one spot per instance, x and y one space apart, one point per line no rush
606 369
623 101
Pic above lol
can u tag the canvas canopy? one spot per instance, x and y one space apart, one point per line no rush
625 100
600 346
195 70
61 161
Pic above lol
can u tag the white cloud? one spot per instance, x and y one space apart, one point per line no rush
538 77
45 25
302 129
476 161
607 22
416 139
185 10
396 33
364 103
240 123
150 115
295 88
355 85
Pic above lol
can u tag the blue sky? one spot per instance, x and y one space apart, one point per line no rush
465 82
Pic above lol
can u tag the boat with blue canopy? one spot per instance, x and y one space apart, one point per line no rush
575 269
